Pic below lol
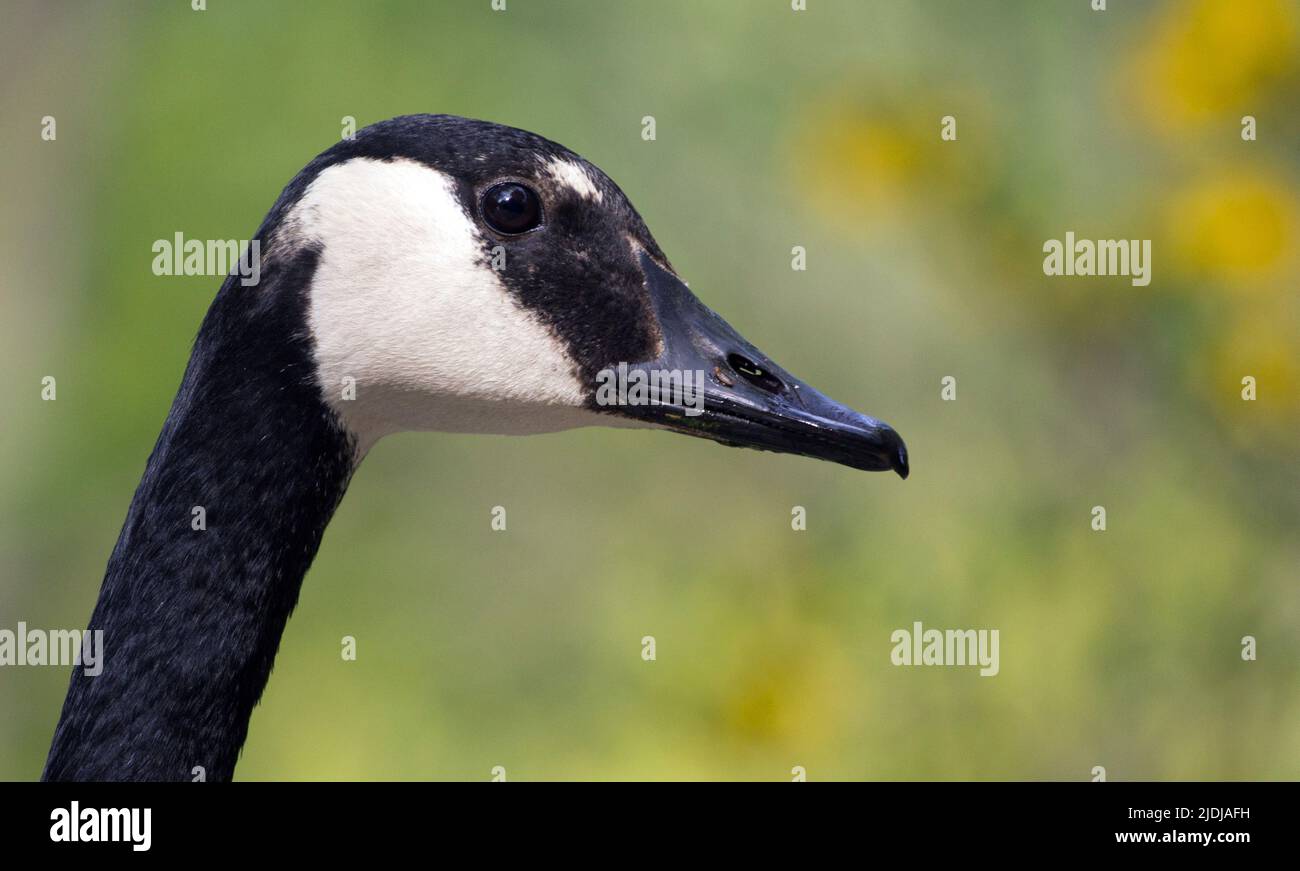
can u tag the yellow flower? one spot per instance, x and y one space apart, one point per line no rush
1239 227
859 157
1209 57
1262 343
786 690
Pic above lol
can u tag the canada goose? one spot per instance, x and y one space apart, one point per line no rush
458 276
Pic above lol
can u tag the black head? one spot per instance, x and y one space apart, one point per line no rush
476 277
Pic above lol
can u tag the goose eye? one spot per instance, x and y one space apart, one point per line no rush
511 208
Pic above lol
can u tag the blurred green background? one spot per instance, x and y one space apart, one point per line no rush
775 128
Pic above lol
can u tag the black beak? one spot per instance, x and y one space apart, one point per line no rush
711 383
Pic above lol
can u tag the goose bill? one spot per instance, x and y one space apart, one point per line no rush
711 383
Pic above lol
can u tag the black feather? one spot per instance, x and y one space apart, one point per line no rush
192 619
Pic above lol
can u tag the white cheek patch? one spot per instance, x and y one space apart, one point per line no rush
404 307
575 177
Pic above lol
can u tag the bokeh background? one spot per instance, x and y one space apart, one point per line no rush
775 128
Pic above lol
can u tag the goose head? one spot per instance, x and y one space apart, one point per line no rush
471 277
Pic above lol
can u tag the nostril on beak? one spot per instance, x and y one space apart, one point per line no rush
754 374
